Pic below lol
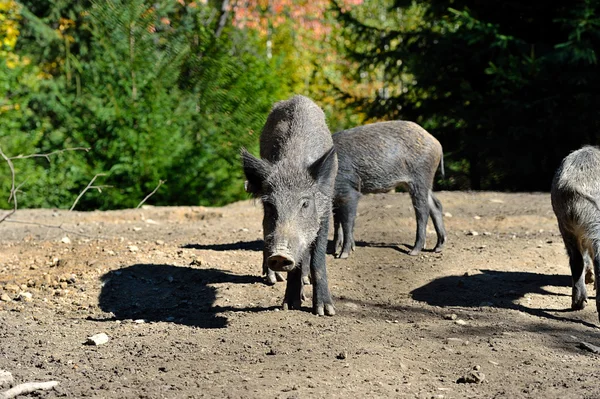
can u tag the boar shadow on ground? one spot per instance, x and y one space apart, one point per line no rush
256 245
404 248
168 293
499 289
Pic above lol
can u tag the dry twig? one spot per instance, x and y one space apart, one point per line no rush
99 188
13 191
160 183
47 156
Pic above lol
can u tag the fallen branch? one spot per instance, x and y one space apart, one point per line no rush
99 188
13 191
28 387
160 183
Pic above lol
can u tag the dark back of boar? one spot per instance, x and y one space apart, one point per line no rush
378 158
575 199
294 179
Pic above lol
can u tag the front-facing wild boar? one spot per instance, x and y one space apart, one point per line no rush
575 199
377 158
294 180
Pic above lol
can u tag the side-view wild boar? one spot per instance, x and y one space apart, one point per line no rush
575 199
294 178
377 158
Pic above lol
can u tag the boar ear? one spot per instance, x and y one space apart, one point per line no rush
323 167
256 171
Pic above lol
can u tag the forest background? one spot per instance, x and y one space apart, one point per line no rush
169 90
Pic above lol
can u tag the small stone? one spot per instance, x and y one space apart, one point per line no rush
447 214
65 240
245 230
98 339
472 233
64 285
271 352
450 316
196 262
477 367
460 322
133 248
160 242
6 378
487 233
342 355
454 341
472 377
150 221
11 287
137 228
5 298
139 321
25 296
476 217
111 252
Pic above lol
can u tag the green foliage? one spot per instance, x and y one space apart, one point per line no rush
150 87
508 88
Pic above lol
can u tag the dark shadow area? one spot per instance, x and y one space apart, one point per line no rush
256 245
502 289
168 293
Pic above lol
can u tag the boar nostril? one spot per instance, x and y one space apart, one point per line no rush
280 262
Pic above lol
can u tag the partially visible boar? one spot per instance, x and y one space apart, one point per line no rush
575 199
377 158
294 180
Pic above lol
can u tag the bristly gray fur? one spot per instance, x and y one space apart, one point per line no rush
378 158
575 197
295 179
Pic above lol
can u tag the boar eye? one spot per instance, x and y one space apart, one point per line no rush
305 204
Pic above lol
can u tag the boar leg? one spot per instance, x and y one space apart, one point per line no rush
589 268
306 269
346 215
436 212
579 295
338 234
293 290
419 197
597 272
322 303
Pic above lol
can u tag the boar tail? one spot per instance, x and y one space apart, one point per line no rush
442 167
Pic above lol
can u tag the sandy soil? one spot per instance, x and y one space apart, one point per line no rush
179 292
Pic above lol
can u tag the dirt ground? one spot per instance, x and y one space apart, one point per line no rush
179 293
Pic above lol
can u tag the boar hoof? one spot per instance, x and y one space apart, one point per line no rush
327 309
291 305
414 252
279 276
270 279
578 304
344 255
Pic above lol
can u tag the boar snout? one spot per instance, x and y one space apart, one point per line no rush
281 262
